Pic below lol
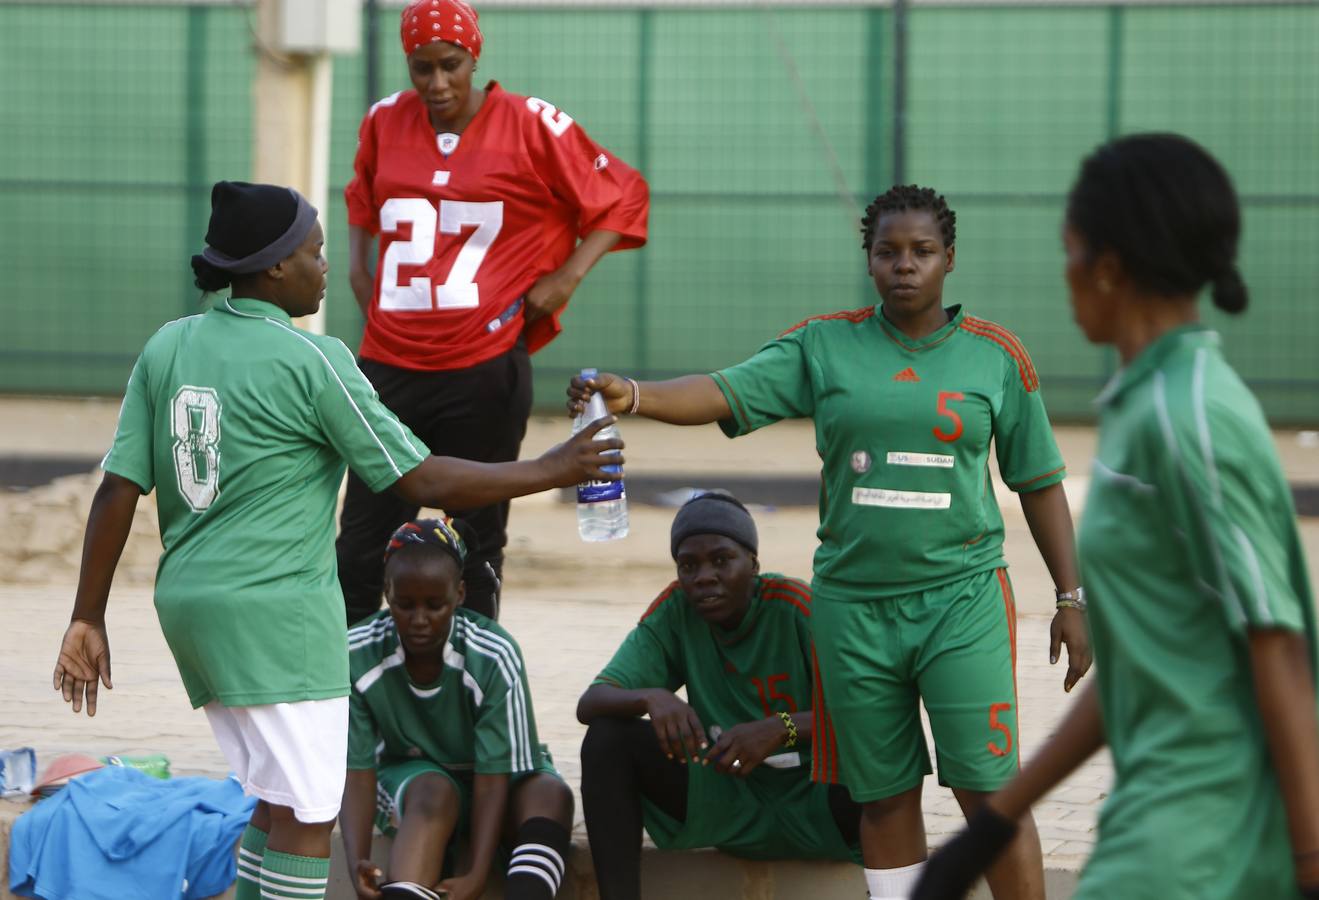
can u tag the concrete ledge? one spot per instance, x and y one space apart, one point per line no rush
688 874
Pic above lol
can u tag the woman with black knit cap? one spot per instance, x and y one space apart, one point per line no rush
242 424
483 211
1201 609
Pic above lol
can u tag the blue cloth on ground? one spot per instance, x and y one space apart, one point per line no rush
116 834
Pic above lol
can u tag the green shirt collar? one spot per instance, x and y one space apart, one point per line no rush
955 316
1152 358
253 307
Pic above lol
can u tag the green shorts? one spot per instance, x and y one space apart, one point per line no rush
954 647
770 814
392 780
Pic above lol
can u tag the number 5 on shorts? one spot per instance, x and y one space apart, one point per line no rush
996 725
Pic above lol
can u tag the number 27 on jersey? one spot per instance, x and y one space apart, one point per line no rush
459 290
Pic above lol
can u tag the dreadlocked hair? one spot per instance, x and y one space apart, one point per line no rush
905 197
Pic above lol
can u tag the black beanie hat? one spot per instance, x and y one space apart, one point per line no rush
714 512
255 226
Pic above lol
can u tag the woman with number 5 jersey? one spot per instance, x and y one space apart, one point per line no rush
911 596
489 209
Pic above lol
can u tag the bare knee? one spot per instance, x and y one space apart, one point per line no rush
432 797
543 796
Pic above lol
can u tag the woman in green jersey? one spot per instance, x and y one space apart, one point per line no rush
243 424
911 597
442 738
1202 614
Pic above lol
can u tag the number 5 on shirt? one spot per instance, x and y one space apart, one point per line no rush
459 290
944 398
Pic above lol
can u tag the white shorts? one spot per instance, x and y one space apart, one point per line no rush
287 754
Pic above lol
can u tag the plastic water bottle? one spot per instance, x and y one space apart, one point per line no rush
18 771
601 505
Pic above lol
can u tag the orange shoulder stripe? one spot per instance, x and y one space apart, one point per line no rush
788 598
852 315
658 601
791 584
1016 342
1010 345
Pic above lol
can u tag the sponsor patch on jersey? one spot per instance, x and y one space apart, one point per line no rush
860 461
441 178
901 499
907 374
447 142
601 161
933 460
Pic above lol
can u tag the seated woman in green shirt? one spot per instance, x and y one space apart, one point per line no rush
442 738
738 640
1201 608
243 424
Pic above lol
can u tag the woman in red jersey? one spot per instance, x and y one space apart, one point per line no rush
486 210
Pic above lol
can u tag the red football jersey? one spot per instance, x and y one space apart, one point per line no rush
466 227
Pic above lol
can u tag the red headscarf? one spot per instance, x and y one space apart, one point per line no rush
454 21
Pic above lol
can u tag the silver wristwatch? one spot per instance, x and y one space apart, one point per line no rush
1071 599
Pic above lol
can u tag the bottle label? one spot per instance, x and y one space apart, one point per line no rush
600 491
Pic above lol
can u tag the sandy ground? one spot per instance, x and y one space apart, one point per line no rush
567 602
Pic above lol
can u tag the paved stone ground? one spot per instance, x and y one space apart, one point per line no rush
568 605
567 634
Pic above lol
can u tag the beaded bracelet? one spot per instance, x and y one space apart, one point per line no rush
791 739
636 396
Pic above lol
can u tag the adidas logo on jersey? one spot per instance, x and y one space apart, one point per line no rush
907 374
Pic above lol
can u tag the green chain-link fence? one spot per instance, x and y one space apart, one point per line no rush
761 131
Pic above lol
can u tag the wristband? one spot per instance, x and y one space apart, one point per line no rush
636 396
791 739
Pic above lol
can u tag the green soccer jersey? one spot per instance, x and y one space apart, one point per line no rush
1188 540
903 429
476 717
754 671
242 423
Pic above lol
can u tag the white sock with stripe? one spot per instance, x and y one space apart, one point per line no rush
893 884
536 868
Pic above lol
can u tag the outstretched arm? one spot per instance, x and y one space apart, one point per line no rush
1284 689
85 652
1050 523
447 482
688 400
